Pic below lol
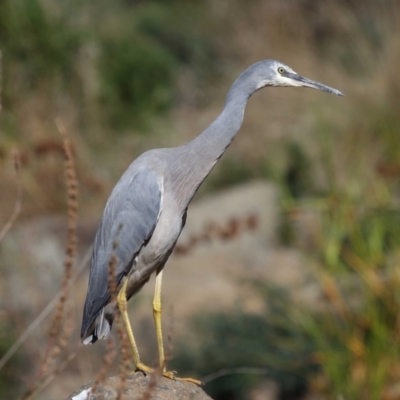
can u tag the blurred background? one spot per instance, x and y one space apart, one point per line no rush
285 283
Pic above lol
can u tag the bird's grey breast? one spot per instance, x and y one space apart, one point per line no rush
169 226
155 252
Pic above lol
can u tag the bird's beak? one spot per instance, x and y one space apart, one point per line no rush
301 81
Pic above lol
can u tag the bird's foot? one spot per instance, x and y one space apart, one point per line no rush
144 368
168 374
191 380
171 375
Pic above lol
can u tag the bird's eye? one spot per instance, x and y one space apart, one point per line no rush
281 70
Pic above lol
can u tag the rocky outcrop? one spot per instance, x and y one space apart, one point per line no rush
140 387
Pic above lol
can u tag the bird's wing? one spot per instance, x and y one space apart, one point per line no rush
128 222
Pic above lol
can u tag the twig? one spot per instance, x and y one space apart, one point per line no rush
18 201
235 371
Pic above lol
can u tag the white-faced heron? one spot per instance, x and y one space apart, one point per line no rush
146 210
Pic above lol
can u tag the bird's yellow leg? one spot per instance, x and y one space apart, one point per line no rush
157 320
123 308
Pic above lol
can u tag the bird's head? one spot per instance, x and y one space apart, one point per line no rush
275 73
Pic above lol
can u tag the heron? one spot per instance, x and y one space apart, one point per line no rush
147 209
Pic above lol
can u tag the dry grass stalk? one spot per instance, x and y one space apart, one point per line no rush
110 349
55 351
72 191
18 201
377 283
109 358
155 376
169 348
152 384
110 352
229 231
332 292
59 335
112 282
366 271
125 356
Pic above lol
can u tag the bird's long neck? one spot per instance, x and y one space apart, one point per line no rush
196 159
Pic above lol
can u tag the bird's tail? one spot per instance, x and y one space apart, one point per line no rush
100 329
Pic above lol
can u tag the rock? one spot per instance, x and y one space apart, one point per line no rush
140 387
31 262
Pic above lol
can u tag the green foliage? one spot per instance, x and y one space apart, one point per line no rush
270 341
355 253
297 177
34 41
138 65
358 337
9 380
178 28
138 53
364 35
137 78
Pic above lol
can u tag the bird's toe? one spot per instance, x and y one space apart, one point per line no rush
144 368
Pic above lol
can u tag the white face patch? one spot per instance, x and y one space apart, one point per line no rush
281 80
277 79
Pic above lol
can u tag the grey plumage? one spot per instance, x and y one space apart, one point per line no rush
129 219
146 211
